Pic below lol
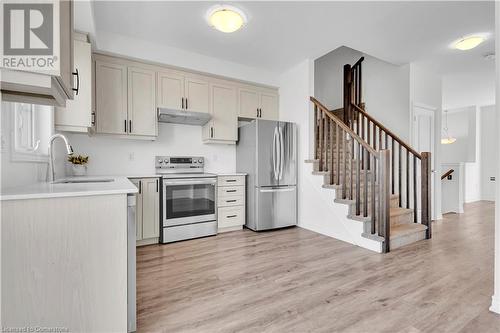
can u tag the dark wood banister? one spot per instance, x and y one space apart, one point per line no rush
346 128
388 131
447 173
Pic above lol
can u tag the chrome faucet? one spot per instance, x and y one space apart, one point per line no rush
69 150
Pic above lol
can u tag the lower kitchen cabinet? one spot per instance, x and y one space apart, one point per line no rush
230 202
147 210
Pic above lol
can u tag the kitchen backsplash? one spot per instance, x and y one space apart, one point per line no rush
115 156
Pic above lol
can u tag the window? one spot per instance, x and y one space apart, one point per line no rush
31 130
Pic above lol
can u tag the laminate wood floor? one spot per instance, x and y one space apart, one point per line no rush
295 280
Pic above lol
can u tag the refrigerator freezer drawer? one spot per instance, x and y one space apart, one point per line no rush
276 207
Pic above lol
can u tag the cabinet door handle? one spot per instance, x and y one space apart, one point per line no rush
211 132
130 126
231 216
140 186
125 122
182 102
230 180
230 191
77 81
157 182
257 112
92 118
186 103
230 200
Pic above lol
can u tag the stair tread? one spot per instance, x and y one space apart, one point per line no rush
401 230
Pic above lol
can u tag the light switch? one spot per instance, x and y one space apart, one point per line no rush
492 179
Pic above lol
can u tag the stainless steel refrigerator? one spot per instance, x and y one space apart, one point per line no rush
267 151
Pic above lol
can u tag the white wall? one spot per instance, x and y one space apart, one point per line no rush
317 210
385 87
146 50
463 89
114 156
495 300
462 126
453 189
426 89
489 157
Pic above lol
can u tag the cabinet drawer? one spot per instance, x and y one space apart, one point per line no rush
230 191
231 216
231 180
231 201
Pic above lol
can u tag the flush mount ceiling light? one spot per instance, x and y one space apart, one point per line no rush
226 18
468 43
446 139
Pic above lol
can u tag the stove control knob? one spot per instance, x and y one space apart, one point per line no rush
200 161
166 161
160 161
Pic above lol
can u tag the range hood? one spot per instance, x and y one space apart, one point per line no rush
182 117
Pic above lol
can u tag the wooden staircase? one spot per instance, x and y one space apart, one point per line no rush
384 182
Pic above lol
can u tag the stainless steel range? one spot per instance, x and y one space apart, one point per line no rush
188 198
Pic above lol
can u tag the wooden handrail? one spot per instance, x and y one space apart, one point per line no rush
358 62
339 122
447 173
389 132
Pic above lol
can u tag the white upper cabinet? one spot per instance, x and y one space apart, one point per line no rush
196 95
258 103
224 123
249 103
111 97
47 85
170 90
77 115
182 92
128 94
125 98
269 106
142 116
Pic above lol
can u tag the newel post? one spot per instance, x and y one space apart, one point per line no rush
426 175
347 94
384 227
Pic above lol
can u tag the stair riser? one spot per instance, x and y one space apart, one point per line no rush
407 239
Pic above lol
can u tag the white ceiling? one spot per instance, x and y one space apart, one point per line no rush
280 34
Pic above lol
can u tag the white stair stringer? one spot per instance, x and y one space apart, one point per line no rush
321 214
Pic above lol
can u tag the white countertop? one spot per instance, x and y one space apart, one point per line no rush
232 174
119 185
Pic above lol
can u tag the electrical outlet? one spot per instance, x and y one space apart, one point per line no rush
492 179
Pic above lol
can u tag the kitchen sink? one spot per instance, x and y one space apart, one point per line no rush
84 181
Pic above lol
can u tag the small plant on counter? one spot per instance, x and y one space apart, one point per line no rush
78 160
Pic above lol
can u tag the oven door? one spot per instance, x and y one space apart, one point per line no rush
187 201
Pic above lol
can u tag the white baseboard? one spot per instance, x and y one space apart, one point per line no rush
495 304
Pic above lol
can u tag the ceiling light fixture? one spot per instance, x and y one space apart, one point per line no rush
226 18
447 138
468 43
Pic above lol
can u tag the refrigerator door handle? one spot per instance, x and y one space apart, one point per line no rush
282 152
277 189
275 152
